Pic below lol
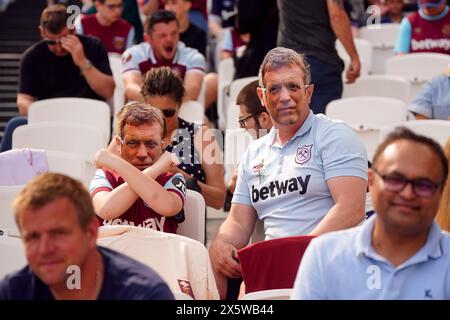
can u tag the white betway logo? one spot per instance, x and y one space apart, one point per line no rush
151 223
429 44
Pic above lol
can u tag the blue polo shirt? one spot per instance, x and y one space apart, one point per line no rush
287 185
344 265
433 100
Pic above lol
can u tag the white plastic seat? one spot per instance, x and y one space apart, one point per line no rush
237 141
115 62
383 38
364 49
70 164
82 140
193 225
225 76
76 110
367 115
379 86
417 68
438 130
274 294
7 195
233 112
13 255
192 111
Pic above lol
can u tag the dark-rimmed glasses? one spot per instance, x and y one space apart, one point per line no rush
396 182
243 119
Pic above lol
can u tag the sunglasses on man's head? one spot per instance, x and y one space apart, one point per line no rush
168 113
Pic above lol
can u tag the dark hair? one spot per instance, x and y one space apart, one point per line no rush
136 114
48 187
54 18
159 16
163 82
248 97
403 133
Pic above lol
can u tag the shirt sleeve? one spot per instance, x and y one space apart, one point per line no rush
99 183
422 103
309 283
404 37
242 193
177 184
27 83
130 38
342 152
100 59
130 60
196 62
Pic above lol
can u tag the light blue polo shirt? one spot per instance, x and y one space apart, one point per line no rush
344 265
287 185
433 100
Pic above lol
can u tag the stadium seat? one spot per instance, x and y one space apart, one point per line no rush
233 112
417 68
225 76
13 254
115 62
367 115
237 141
383 38
378 86
76 110
438 130
364 49
7 221
193 225
192 111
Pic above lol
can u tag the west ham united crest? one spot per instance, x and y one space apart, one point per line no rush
303 154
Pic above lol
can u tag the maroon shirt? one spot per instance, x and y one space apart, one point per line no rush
430 36
114 37
140 214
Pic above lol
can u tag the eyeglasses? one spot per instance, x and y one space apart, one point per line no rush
242 120
169 113
292 87
135 144
396 182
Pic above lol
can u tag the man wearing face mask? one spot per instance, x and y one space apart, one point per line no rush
62 64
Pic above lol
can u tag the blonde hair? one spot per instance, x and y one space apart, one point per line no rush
443 215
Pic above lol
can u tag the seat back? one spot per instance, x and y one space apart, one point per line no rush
13 255
118 100
274 294
364 49
439 130
193 225
237 141
383 38
417 68
233 112
76 110
379 86
192 111
7 220
367 115
272 264
225 76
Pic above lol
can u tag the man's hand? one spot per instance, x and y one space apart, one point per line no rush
353 70
224 259
167 162
72 44
104 159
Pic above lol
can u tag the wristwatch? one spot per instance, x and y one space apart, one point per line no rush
87 66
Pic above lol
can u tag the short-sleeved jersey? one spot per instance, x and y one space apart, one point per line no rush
141 58
44 75
287 185
433 100
117 37
140 214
